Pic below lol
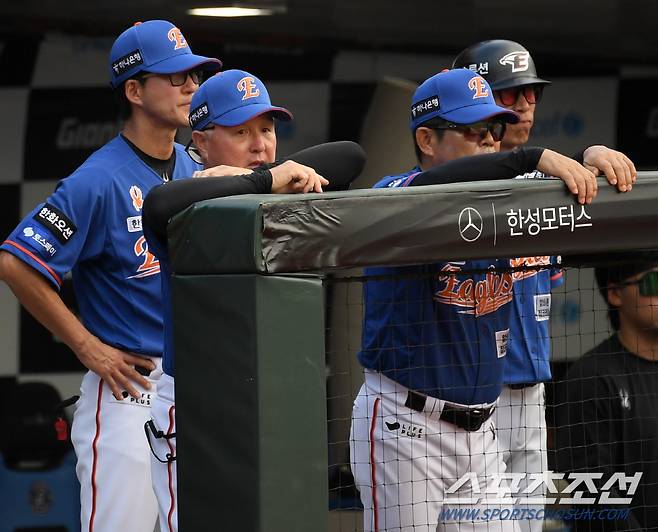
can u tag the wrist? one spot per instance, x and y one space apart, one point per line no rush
82 343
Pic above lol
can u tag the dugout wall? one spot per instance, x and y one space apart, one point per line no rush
251 410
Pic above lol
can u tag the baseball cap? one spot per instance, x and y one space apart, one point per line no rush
154 46
460 96
232 98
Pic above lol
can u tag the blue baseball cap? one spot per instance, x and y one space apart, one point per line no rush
460 96
154 46
231 98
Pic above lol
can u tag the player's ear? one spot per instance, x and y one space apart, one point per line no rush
133 91
200 140
424 139
614 295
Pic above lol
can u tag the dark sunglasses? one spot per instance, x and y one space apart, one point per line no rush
532 94
479 129
177 79
647 284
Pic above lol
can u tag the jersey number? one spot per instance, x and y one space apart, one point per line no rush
151 265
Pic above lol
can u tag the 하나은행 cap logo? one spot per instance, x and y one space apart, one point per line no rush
248 86
198 114
479 87
127 62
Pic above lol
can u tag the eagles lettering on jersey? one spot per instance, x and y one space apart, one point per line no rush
91 225
476 297
532 264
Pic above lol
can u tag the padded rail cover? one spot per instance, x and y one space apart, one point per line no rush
319 232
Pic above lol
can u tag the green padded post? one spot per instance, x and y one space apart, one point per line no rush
250 403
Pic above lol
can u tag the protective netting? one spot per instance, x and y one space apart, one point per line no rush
493 394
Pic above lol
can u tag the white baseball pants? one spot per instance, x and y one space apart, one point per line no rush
114 464
405 461
520 419
165 482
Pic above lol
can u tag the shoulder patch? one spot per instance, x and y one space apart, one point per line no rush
56 222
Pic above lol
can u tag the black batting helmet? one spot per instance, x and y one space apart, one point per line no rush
504 64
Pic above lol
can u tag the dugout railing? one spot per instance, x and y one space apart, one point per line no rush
249 314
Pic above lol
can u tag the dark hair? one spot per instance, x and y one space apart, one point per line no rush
616 274
125 108
431 123
604 277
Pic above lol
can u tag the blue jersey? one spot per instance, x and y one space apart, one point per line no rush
440 329
528 357
92 226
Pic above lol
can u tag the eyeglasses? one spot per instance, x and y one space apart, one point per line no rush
532 94
193 151
178 79
647 284
479 129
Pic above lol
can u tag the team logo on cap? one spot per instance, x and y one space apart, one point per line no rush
479 87
519 60
175 36
136 196
248 86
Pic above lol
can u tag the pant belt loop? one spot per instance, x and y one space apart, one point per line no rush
415 401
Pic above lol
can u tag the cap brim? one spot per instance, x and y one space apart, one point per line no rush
518 82
183 62
244 114
478 113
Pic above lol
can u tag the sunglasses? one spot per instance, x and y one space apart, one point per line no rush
647 284
479 129
178 79
532 94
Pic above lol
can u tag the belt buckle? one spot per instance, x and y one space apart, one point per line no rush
476 418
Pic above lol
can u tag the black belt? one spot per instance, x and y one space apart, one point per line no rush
468 419
522 385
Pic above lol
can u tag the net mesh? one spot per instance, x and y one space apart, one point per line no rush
449 394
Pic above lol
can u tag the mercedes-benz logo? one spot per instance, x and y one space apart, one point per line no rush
470 224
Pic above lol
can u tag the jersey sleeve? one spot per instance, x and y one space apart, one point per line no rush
341 161
61 231
500 165
165 201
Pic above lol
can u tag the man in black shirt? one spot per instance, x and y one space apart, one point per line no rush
607 406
